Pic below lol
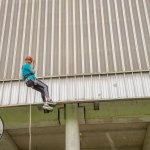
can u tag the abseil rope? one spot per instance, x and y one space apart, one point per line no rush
30 119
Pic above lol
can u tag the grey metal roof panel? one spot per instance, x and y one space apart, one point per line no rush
69 37
81 88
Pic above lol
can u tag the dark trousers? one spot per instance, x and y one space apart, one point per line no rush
39 86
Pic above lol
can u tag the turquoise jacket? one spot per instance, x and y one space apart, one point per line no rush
26 70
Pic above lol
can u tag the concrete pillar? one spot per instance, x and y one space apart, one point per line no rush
72 127
146 145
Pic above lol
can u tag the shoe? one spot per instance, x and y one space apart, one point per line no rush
51 103
47 107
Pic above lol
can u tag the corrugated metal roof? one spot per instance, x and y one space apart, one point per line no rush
81 88
68 37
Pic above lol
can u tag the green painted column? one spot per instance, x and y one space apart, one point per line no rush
72 127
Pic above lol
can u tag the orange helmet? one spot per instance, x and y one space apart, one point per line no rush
29 58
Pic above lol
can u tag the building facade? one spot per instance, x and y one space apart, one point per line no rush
95 57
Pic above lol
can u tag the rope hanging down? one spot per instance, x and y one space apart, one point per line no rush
30 121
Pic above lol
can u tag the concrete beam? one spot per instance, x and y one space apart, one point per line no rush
146 145
7 143
72 127
110 112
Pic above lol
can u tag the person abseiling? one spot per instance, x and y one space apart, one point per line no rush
28 75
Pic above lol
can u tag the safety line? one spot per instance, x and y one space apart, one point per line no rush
30 124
